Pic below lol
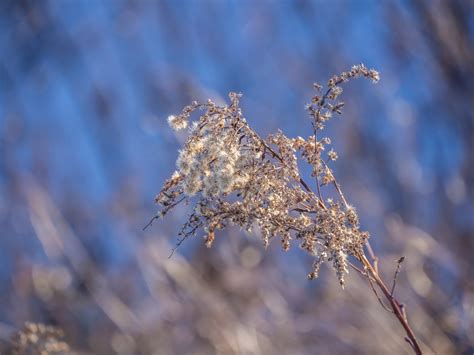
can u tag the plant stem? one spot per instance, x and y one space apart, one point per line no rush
397 308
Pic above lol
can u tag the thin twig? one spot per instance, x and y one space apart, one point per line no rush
336 185
362 272
183 238
377 295
374 257
315 130
397 271
162 213
180 241
156 216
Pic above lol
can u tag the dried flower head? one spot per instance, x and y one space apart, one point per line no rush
236 177
37 338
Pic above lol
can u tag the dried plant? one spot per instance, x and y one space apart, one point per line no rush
233 176
40 339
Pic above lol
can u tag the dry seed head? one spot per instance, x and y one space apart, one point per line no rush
36 338
236 177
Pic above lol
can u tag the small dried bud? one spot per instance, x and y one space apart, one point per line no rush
335 92
210 238
317 86
332 155
352 217
337 107
177 122
374 74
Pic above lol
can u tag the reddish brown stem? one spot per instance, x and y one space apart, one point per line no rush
397 307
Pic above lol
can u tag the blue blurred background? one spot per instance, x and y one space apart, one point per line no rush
85 89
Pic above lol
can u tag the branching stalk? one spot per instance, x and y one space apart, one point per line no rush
239 178
397 308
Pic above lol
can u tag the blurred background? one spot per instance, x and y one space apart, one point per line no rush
85 90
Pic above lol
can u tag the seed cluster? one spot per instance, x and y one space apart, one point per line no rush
233 176
36 338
